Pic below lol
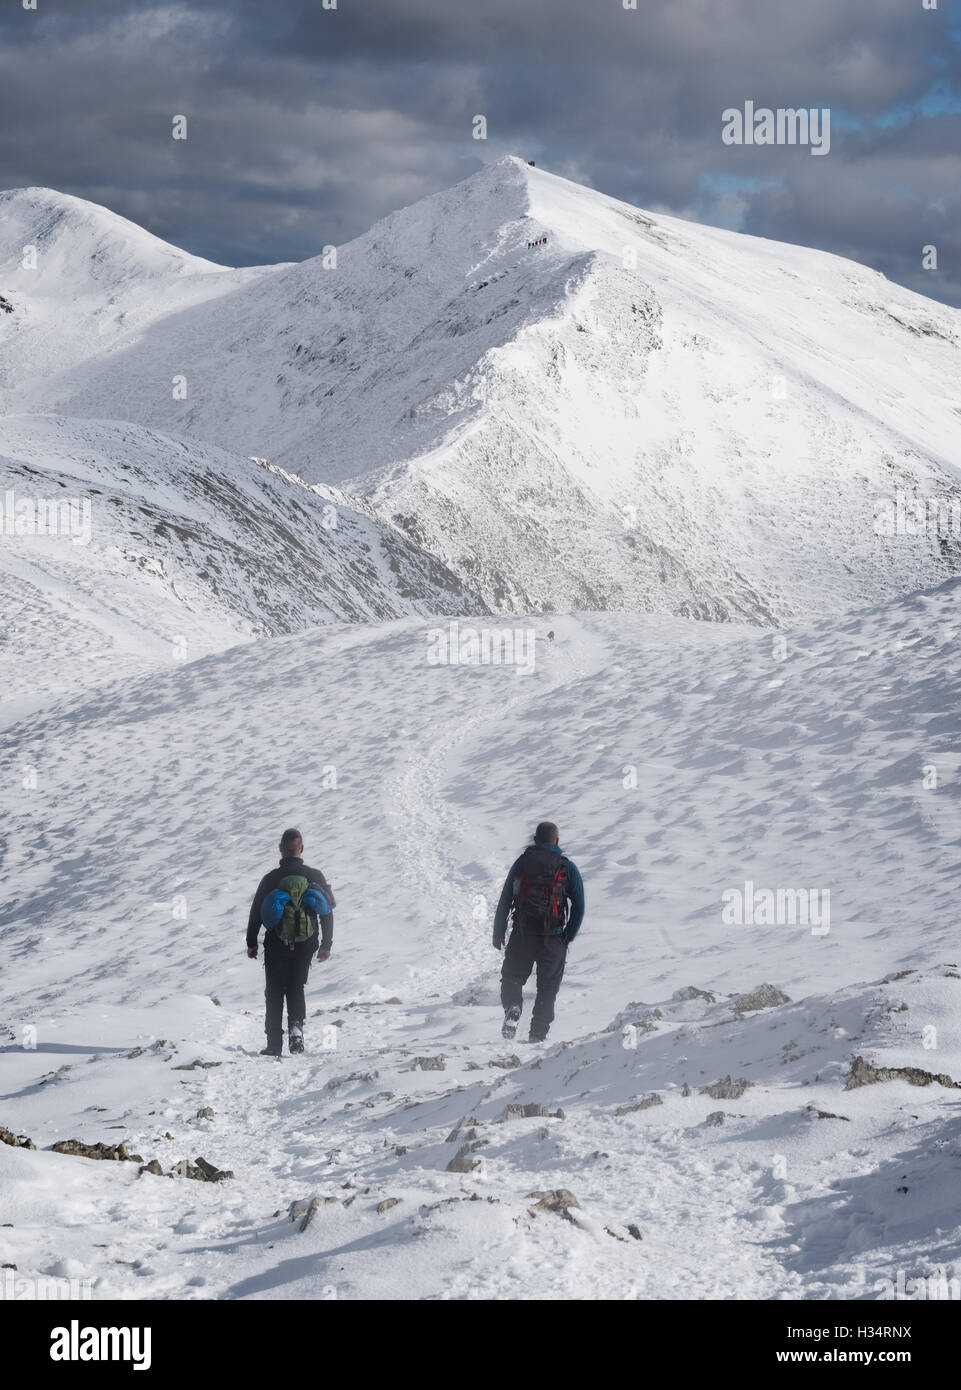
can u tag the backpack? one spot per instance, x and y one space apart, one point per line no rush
289 909
541 899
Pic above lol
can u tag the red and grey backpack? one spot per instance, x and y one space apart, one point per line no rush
540 902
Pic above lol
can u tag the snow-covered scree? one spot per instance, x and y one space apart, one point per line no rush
717 1139
638 414
135 549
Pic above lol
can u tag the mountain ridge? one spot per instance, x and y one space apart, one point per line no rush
573 403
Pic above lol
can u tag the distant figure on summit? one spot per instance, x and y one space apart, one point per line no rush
543 897
290 903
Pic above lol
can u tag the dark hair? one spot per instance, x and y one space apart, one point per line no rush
289 841
546 833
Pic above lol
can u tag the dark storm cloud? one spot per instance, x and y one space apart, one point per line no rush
306 123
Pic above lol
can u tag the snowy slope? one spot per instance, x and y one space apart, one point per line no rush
77 280
641 414
169 550
800 766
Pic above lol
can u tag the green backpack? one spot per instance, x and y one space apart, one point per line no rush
295 924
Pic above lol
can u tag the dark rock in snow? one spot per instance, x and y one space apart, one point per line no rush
726 1089
560 1199
530 1112
16 1141
863 1074
645 1104
75 1148
437 1063
460 1163
764 997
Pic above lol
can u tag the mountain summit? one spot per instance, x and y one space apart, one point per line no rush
572 403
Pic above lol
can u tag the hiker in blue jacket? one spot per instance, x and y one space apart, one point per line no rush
292 902
543 898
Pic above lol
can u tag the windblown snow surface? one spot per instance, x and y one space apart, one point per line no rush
131 854
726 1107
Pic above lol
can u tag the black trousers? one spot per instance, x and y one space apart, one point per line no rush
286 971
524 951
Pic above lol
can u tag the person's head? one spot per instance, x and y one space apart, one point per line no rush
546 833
291 844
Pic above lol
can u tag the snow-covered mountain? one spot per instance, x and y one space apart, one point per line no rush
156 550
76 280
639 413
276 489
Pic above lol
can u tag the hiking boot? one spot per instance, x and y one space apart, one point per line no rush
270 1052
511 1020
295 1037
537 1038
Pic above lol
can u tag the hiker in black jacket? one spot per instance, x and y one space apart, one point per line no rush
287 967
543 896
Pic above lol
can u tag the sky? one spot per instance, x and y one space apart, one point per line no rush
306 121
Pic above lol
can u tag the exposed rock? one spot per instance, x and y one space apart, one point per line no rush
560 1199
512 1061
16 1141
137 1052
715 1118
826 1114
531 1111
764 997
192 1066
400 1149
437 1063
863 1074
726 1089
365 1076
306 1209
686 1090
206 1172
692 992
387 1203
153 1167
633 1231
645 1104
460 1163
205 1114
77 1149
